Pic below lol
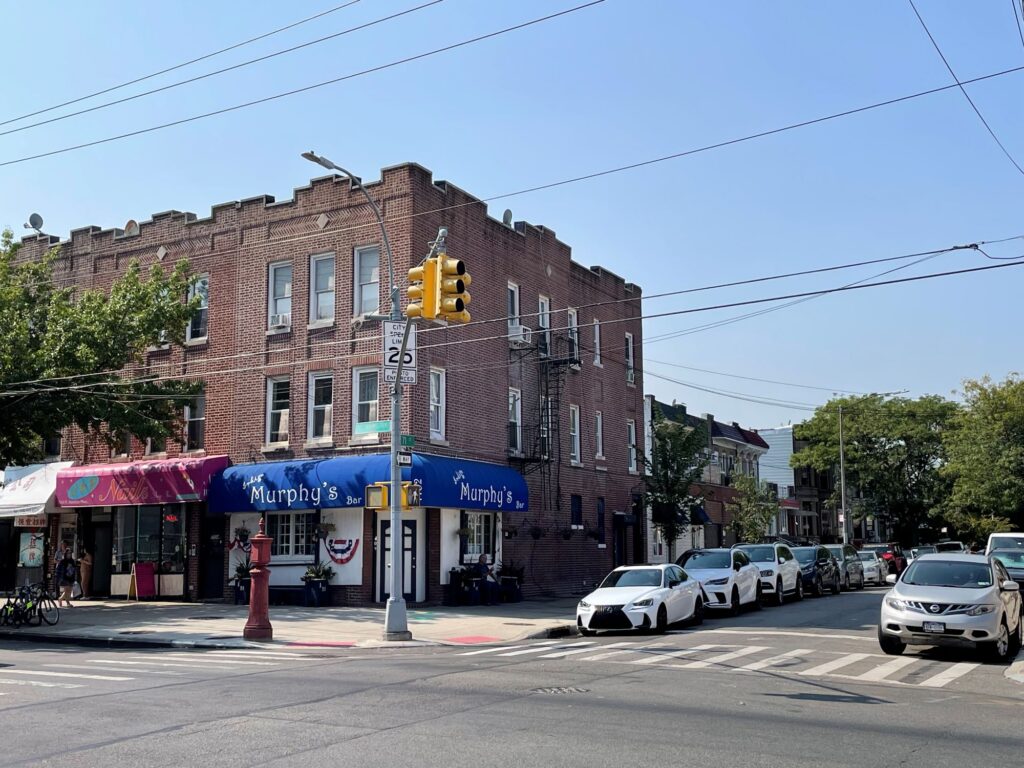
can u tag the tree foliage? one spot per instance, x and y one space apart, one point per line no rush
893 451
753 508
985 459
66 354
676 464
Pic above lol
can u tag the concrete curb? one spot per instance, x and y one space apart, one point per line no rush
116 641
563 630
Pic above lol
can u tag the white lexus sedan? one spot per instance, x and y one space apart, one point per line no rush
727 576
645 597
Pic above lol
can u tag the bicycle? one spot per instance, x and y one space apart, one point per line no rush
31 605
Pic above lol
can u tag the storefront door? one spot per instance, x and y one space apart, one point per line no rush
102 555
408 564
212 563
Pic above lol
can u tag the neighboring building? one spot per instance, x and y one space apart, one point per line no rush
731 451
524 421
806 506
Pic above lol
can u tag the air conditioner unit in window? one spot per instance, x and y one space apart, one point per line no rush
520 335
281 321
630 376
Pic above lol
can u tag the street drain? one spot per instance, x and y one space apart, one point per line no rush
559 691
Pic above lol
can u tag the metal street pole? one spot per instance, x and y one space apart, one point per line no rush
842 476
396 626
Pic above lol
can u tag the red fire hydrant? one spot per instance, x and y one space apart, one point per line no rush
258 626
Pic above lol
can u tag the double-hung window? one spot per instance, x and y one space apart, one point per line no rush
279 308
278 406
631 444
599 434
512 308
545 427
195 424
481 537
515 421
51 446
544 325
574 434
320 406
630 373
365 401
198 325
576 511
291 533
321 289
597 342
437 403
366 297
572 321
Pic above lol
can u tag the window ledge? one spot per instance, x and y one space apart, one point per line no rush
575 463
598 364
631 384
158 348
279 331
119 458
634 472
319 444
355 446
200 341
602 546
155 455
599 457
601 469
197 452
357 442
514 453
273 447
439 441
576 527
320 324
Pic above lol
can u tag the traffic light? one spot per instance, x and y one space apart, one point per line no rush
377 496
423 290
454 298
412 495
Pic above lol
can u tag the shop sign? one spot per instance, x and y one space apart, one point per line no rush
30 521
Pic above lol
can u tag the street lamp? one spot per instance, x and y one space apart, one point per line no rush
396 626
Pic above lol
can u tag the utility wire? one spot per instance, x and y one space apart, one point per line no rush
183 64
753 378
1016 18
222 71
964 91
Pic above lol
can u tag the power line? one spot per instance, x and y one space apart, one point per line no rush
753 378
1016 18
306 88
964 91
222 71
183 64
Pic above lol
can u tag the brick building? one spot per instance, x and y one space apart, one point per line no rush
544 385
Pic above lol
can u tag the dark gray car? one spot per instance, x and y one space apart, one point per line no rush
851 569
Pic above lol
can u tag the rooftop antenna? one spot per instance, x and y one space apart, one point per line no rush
35 221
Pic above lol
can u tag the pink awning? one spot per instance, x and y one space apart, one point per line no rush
163 481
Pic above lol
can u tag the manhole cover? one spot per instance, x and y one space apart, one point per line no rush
561 690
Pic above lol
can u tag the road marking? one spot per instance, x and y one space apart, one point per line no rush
151 664
772 661
722 657
197 660
39 683
785 633
654 658
42 673
86 666
491 650
882 671
948 675
588 649
627 648
257 655
831 666
541 650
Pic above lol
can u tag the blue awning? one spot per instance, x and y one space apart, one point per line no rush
699 515
341 482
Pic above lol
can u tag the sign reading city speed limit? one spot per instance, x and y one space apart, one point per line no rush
393 331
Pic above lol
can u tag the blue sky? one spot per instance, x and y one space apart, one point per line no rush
618 83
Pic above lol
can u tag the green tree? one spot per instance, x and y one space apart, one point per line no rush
675 466
753 508
67 356
893 451
985 459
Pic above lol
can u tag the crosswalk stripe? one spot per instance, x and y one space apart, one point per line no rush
136 670
654 658
632 648
724 657
42 673
948 675
536 649
573 652
882 671
831 666
197 660
39 683
257 655
771 661
152 664
491 650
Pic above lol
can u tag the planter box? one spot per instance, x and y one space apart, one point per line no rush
315 592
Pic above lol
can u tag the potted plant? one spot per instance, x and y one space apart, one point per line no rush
315 579
511 531
566 533
463 534
242 582
593 533
510 576
242 533
536 532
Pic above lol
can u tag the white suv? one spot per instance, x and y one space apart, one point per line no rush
780 572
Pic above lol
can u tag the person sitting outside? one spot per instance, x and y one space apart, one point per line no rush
490 592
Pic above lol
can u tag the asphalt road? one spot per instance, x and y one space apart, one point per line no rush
799 685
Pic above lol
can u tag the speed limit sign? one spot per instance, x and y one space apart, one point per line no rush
393 332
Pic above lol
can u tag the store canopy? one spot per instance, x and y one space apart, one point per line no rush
341 482
163 481
29 490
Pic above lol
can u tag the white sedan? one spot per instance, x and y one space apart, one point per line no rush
875 569
641 597
727 576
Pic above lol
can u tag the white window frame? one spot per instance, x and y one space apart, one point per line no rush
314 294
515 396
599 434
575 448
149 447
370 437
482 536
272 300
631 445
204 307
597 343
188 418
630 369
512 297
544 325
312 408
572 322
545 427
286 412
290 540
438 397
357 287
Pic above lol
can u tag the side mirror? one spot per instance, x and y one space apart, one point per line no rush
782 560
891 579
674 584
1010 586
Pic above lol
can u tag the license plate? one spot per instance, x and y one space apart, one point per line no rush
934 626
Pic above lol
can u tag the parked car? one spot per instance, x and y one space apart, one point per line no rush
1004 541
641 597
851 569
950 546
727 576
780 572
916 552
1013 562
818 569
875 569
892 554
953 599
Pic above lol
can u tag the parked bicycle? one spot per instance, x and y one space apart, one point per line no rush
32 605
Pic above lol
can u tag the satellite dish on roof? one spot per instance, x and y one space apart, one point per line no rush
131 227
506 217
35 221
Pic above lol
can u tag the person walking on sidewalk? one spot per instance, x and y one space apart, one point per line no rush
85 567
66 578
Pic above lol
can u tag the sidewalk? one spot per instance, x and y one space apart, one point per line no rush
162 624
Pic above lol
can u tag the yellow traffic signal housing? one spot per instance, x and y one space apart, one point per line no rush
454 296
377 496
424 290
412 495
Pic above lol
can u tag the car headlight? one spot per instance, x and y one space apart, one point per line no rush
647 602
717 582
767 573
978 610
899 605
584 604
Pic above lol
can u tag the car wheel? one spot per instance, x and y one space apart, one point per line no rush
662 622
780 596
835 585
1015 640
819 588
861 584
734 608
799 587
758 597
890 645
998 650
846 583
586 632
698 613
